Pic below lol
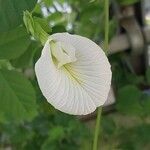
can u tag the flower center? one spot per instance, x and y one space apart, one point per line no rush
63 53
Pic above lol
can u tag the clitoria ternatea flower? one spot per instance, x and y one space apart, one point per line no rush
73 73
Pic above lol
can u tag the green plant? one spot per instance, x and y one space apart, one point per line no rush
27 121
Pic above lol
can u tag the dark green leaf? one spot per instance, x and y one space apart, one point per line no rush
145 101
129 100
134 79
17 134
17 97
109 126
26 59
11 12
148 76
136 138
13 43
127 2
58 28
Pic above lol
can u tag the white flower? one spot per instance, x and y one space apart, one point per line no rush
73 74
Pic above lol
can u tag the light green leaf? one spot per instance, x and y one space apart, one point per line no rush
43 23
35 27
11 12
13 43
17 97
56 18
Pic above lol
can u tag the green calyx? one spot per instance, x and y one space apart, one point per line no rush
34 27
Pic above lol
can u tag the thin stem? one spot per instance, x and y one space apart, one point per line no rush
106 25
99 112
96 134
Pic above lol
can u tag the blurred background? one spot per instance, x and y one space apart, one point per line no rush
28 122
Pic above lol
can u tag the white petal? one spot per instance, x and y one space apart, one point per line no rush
78 86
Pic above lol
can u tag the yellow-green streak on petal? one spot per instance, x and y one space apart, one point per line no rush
67 69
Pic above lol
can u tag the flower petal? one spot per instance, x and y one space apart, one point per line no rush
77 87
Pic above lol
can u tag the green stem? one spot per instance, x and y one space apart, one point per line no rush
99 112
96 134
106 26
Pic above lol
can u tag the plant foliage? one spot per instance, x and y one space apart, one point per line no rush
27 121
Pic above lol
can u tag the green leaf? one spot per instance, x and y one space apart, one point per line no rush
58 28
56 18
135 138
57 133
48 2
13 43
17 97
44 24
148 75
5 64
11 12
90 17
134 79
128 100
26 59
127 2
18 135
146 104
109 126
35 27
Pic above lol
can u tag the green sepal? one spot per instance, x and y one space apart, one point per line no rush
34 27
